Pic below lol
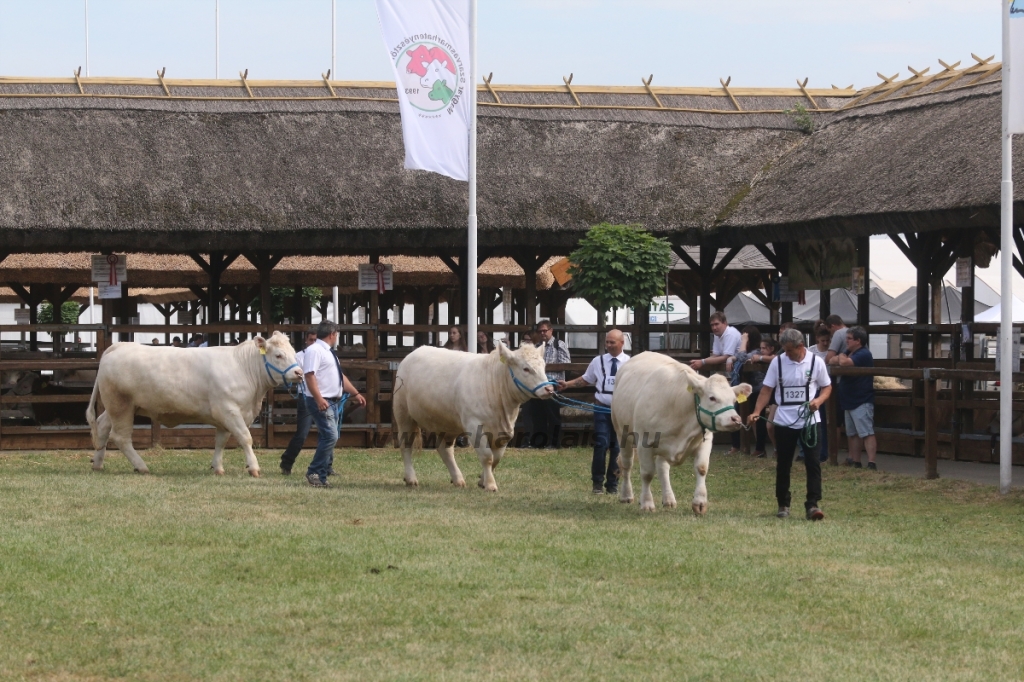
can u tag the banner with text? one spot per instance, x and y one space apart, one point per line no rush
428 45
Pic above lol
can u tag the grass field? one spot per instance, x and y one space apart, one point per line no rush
182 575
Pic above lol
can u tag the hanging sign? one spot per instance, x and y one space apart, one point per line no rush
376 276
783 293
22 316
858 283
110 269
963 272
109 290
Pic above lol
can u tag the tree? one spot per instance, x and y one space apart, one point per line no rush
278 296
69 313
619 266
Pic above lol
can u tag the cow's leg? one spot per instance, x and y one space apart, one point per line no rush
407 433
668 498
446 449
625 483
488 461
700 468
646 476
103 425
219 441
121 430
238 428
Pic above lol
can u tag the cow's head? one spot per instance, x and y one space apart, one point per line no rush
436 70
526 370
279 358
716 401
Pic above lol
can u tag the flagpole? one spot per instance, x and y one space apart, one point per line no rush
1006 265
471 290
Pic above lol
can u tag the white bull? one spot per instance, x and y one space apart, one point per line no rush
448 394
669 412
223 386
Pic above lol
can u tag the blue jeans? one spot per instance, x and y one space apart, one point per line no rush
606 441
303 422
327 429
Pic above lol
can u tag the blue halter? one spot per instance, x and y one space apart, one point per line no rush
523 387
282 372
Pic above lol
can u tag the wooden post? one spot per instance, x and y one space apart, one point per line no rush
708 253
824 305
931 426
786 309
864 300
373 355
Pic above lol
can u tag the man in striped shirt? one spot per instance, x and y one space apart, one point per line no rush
546 415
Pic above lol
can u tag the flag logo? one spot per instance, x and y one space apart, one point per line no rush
1016 9
432 75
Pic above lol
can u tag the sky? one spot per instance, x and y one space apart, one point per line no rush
605 42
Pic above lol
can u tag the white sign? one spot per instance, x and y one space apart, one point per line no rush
22 316
376 276
109 269
783 292
1015 64
428 46
109 291
963 272
1015 355
858 284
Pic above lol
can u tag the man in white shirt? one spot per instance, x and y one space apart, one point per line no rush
601 373
795 376
303 419
325 386
724 346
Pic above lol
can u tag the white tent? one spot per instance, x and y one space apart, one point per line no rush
994 313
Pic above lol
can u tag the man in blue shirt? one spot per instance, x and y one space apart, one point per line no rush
857 398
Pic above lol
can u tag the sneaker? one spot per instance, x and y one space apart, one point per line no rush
286 472
330 472
858 465
314 480
598 490
783 513
613 491
872 466
815 514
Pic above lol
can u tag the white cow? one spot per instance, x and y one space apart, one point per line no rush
670 413
223 386
437 71
448 393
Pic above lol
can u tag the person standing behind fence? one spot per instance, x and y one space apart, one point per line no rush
604 469
824 341
303 418
794 377
325 385
837 328
857 398
727 340
546 414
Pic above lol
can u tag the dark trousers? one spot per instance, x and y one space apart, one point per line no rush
605 466
785 442
761 434
303 422
546 423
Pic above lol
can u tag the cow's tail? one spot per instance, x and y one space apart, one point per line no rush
90 413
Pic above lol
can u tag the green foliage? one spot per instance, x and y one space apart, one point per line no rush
278 296
619 266
802 118
68 313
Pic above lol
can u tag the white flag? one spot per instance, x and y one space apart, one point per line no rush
428 44
1015 62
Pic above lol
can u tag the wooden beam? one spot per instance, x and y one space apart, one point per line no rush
722 264
772 257
685 257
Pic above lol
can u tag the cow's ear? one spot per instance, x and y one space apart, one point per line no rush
260 342
741 392
696 381
504 354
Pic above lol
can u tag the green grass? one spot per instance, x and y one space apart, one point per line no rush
182 575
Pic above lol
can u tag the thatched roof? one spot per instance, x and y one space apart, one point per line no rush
924 160
315 167
169 270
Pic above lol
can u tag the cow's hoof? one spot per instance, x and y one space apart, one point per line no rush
700 508
461 483
647 506
626 500
412 484
255 473
142 471
492 488
97 467
218 472
668 504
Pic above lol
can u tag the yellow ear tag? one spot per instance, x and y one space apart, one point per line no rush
502 358
263 351
689 388
741 398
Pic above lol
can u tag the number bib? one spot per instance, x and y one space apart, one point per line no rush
794 395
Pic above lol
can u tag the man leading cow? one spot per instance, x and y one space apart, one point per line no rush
601 373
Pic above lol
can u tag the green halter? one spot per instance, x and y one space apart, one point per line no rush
713 428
